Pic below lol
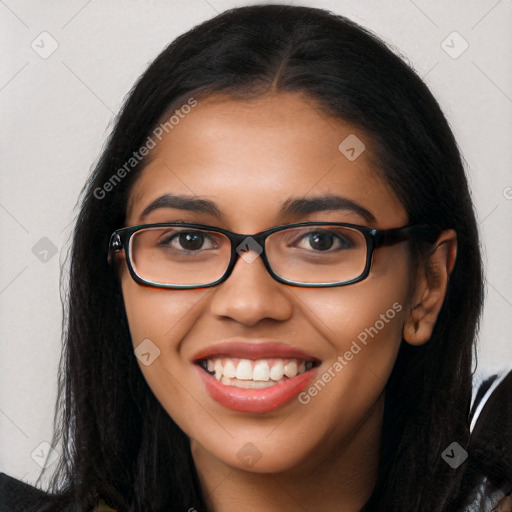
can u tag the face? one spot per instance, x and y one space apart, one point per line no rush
249 157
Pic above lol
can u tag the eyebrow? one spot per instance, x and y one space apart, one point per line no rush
330 202
301 206
188 203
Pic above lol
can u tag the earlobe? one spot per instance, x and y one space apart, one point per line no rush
430 290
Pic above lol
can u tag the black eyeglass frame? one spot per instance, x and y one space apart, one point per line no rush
375 238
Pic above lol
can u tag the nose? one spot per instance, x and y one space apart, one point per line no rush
250 294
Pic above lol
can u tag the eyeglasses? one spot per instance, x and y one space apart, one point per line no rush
308 254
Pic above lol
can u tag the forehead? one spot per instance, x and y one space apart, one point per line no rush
250 156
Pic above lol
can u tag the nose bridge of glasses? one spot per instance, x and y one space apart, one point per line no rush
248 247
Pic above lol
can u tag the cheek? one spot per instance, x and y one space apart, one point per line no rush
369 310
158 320
363 325
356 317
159 314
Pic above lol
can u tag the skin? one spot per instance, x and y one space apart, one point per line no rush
248 157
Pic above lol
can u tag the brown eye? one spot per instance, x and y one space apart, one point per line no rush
324 240
187 241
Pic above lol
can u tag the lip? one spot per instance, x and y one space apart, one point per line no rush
253 350
256 401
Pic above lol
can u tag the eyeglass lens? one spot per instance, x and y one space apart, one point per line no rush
189 256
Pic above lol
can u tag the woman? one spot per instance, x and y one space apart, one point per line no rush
280 230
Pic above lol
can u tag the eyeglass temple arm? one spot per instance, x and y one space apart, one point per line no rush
424 232
115 244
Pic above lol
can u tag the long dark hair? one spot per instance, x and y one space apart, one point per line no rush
117 440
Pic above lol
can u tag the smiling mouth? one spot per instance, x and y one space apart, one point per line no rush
254 374
255 377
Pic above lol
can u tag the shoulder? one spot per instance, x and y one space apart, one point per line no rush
488 474
490 417
491 393
19 496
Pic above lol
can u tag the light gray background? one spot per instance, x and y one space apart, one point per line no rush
57 112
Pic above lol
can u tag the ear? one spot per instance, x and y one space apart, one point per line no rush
429 290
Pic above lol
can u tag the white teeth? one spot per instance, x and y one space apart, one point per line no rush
244 370
229 370
261 371
248 374
246 384
218 369
276 372
290 369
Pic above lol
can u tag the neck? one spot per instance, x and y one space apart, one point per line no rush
339 479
